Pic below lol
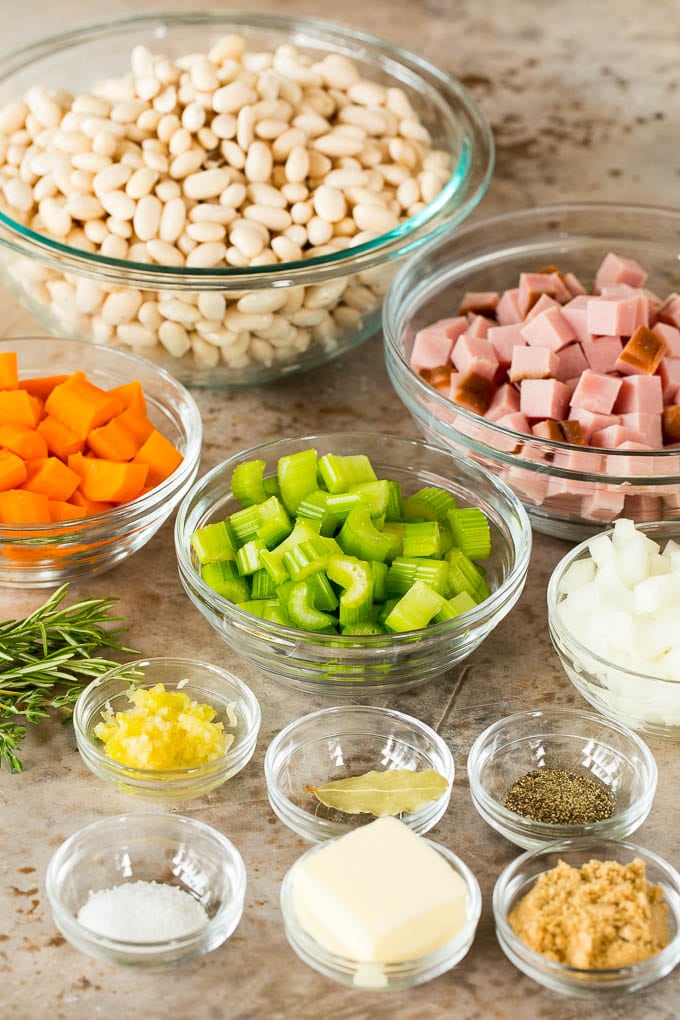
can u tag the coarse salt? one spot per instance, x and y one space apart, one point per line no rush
142 912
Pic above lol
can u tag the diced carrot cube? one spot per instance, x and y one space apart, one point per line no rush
19 506
61 440
161 457
131 394
90 506
81 405
41 386
17 407
23 441
61 510
108 480
9 375
137 424
114 441
52 477
12 470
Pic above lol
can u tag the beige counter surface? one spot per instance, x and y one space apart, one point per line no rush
584 101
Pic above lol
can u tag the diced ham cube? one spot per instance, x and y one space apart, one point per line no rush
603 503
647 425
478 325
531 286
504 401
544 398
571 362
581 461
614 435
542 305
602 353
670 423
547 429
503 339
530 484
670 311
532 363
592 421
439 378
573 284
472 391
640 393
615 316
595 392
507 309
575 312
619 269
568 431
632 465
640 506
516 423
642 353
479 302
432 345
670 336
474 354
549 329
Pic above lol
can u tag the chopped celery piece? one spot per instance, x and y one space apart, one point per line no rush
430 504
323 592
385 611
379 571
245 523
256 606
247 482
272 559
454 607
403 572
314 508
464 575
223 577
415 609
261 585
214 542
363 627
421 539
297 477
248 557
275 524
302 611
275 613
360 537
339 472
445 538
394 510
395 528
482 591
308 556
471 531
356 580
376 494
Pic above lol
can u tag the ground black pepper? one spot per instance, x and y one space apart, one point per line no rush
560 797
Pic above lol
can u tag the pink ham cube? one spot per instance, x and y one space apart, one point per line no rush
433 344
532 363
602 352
591 421
613 436
640 393
479 326
474 354
670 336
619 269
573 284
503 339
571 362
647 425
549 329
542 305
514 422
670 311
575 312
669 373
615 316
544 398
504 401
507 309
603 503
626 462
531 286
577 461
596 392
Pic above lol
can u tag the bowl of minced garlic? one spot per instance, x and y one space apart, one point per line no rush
166 728
589 917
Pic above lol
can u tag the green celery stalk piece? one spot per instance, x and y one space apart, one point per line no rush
248 557
359 537
375 494
323 592
395 503
385 611
275 524
222 576
245 523
272 559
464 575
379 571
482 591
308 556
430 503
339 472
297 476
415 609
363 627
214 542
247 484
261 585
404 571
471 531
356 581
421 539
304 614
395 528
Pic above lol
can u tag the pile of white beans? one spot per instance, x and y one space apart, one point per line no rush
230 158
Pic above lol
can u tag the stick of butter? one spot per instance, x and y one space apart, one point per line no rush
379 894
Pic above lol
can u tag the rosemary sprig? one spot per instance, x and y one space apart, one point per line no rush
47 658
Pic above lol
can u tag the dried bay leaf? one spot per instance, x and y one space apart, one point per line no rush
382 793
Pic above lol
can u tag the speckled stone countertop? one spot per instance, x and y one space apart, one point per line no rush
583 99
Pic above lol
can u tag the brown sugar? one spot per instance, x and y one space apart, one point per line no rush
600 916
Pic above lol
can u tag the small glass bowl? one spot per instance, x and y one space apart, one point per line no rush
46 275
207 684
344 665
384 977
579 742
520 875
646 703
44 555
148 847
570 499
336 743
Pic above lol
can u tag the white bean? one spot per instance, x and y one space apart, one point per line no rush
230 98
207 255
163 253
206 183
212 305
259 162
174 338
121 306
55 217
118 204
172 220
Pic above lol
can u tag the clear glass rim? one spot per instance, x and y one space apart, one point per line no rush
464 189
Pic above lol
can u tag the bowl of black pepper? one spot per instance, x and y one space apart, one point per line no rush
561 773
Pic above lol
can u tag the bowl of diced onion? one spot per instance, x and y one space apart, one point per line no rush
227 193
613 612
399 630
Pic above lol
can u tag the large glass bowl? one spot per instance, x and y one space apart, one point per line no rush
562 500
44 275
355 665
42 555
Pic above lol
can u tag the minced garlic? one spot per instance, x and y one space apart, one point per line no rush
163 730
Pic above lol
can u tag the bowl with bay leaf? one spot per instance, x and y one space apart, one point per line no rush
341 767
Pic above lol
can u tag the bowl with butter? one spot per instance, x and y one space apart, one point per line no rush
380 908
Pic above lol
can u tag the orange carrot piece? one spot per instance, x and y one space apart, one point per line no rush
114 441
17 407
52 477
60 439
60 510
90 506
161 457
9 374
19 506
108 480
12 470
42 385
131 394
81 405
23 441
137 424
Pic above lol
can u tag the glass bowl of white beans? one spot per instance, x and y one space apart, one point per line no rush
226 194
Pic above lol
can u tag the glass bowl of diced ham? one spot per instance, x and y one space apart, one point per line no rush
545 344
97 447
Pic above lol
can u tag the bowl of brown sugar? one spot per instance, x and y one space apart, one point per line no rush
560 773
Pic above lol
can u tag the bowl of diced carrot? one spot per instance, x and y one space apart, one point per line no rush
97 447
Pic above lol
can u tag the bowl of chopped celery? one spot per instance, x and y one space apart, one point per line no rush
168 729
352 562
